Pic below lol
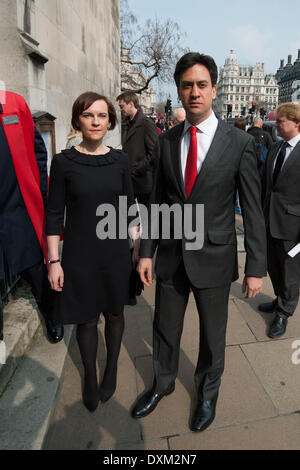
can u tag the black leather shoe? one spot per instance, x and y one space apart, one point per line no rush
204 414
268 307
54 333
278 327
149 401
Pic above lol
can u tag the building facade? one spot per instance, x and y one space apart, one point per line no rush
288 77
52 51
241 87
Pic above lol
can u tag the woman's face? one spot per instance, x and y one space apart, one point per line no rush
94 121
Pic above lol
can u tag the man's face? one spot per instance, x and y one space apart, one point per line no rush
196 93
126 109
285 128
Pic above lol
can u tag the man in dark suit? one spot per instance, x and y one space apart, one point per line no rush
139 142
202 161
281 205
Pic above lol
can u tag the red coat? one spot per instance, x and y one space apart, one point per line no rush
20 138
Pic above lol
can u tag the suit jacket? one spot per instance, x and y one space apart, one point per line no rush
230 165
281 203
139 143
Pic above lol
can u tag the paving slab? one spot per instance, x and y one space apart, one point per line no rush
172 414
73 427
242 397
278 433
27 403
272 363
155 444
238 330
21 321
260 322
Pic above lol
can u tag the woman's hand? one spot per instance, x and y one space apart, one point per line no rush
56 277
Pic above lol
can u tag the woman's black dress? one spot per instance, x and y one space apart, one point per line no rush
96 271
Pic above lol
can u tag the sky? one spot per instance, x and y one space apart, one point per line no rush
258 30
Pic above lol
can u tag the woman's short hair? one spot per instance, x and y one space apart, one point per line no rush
290 110
193 58
86 100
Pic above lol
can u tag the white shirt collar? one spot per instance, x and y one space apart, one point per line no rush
294 141
207 127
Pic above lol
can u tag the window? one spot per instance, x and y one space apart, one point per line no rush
27 17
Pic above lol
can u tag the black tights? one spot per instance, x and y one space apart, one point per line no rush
87 337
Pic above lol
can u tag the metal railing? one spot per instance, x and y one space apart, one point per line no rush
6 286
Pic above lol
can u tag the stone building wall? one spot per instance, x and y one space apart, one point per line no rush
54 50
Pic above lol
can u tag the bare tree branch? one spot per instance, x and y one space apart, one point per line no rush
149 52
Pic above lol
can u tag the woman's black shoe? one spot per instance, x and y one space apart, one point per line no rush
105 395
90 400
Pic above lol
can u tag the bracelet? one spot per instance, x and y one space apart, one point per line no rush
53 262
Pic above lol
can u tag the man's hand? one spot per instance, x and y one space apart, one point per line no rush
145 271
252 286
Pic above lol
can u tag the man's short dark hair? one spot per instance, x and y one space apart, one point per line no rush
193 58
129 96
86 100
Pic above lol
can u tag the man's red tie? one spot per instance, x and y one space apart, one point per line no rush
191 163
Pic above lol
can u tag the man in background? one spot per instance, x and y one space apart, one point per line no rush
139 141
263 142
24 188
178 116
281 205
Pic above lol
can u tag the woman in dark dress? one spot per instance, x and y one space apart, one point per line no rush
93 276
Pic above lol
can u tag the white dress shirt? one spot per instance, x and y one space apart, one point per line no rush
205 135
293 142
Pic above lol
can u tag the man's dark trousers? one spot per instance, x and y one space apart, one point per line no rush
171 302
284 272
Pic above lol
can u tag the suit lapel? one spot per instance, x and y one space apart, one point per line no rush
292 157
175 150
270 162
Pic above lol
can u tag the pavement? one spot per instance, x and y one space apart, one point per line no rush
259 400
